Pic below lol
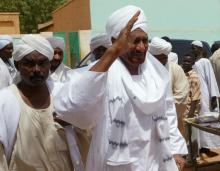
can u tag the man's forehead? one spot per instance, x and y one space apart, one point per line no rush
34 56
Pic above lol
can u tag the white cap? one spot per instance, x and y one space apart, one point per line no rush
197 43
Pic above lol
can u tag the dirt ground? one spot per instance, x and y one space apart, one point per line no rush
209 164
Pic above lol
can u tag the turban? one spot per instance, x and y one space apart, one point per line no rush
57 42
118 20
197 43
100 40
159 46
5 40
30 43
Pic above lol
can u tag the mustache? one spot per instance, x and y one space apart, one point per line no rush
137 53
37 76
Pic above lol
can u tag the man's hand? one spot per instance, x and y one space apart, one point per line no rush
121 45
180 161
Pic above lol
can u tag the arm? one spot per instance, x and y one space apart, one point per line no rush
192 108
3 162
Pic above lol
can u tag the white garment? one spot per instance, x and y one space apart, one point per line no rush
173 57
150 125
60 74
5 40
209 88
30 43
57 42
118 20
5 77
159 46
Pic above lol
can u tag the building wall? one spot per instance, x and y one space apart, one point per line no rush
175 18
73 16
9 23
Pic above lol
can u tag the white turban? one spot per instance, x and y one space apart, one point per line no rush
197 43
100 40
30 43
159 46
57 42
5 40
118 20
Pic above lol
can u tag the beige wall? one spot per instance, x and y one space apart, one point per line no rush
73 16
9 23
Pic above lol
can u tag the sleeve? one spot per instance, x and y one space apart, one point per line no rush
3 161
178 143
81 101
6 79
180 85
211 80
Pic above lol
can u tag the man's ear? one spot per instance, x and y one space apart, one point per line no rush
16 64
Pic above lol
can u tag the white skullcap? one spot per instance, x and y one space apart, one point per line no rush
118 20
159 46
30 43
57 42
100 40
197 43
5 40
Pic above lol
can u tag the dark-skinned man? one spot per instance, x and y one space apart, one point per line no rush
134 130
7 69
209 92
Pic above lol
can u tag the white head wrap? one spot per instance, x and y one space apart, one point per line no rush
173 57
118 20
30 43
197 43
57 42
159 46
100 40
5 40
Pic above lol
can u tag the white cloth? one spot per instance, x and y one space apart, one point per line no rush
159 46
209 88
173 57
57 42
215 60
148 130
113 26
197 43
5 77
100 40
5 40
30 43
60 74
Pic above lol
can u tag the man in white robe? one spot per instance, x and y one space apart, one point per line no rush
215 60
209 92
30 139
138 128
7 70
58 69
179 83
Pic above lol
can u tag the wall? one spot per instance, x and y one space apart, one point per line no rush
9 23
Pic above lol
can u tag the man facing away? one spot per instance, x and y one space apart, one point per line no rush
209 92
179 84
7 70
134 131
30 139
58 69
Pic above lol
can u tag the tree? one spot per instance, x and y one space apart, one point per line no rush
32 12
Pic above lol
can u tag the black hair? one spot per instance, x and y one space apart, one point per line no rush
215 46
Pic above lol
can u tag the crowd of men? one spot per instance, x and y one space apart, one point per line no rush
125 111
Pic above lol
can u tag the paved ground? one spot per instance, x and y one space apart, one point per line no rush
211 164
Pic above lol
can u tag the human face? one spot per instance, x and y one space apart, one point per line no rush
57 59
136 56
99 51
187 63
6 52
34 68
162 58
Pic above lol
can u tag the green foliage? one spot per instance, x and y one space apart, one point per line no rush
32 12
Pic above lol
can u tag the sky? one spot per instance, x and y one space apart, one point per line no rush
185 19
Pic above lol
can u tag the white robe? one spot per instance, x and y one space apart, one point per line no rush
5 77
60 74
142 130
209 88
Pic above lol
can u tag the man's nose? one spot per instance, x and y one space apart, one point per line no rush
141 46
